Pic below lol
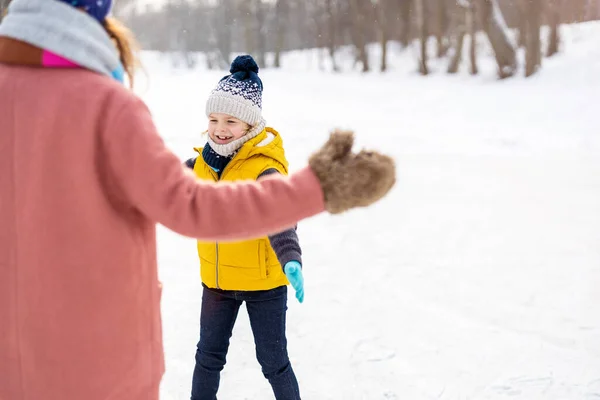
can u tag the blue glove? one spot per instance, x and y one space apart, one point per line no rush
293 271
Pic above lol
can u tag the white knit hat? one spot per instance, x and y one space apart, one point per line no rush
239 94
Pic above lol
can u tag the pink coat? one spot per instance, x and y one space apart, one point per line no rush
84 178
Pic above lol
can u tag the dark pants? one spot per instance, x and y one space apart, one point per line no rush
267 309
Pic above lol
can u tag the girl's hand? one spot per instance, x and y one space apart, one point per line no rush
293 271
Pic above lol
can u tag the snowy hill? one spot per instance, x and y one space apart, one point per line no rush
475 279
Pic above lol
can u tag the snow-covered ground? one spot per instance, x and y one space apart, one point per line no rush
477 278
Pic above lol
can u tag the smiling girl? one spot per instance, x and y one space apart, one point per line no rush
256 272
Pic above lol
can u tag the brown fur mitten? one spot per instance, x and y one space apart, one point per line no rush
348 179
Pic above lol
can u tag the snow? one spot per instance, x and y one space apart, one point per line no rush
476 278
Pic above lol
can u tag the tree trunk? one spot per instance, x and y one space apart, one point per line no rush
382 13
320 25
496 30
281 14
459 39
384 42
460 22
224 14
249 30
465 24
554 8
592 10
423 36
533 51
405 7
442 28
358 32
331 18
261 39
472 27
522 26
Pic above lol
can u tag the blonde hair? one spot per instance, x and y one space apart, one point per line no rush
126 45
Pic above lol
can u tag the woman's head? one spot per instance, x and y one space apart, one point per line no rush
121 36
238 95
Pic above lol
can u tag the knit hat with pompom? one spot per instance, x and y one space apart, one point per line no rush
239 94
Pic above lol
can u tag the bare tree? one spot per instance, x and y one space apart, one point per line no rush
457 48
295 26
420 6
383 8
533 51
459 31
303 23
246 10
472 27
496 30
464 12
553 13
260 10
592 10
179 23
219 20
281 17
442 27
358 9
405 8
318 23
522 23
332 18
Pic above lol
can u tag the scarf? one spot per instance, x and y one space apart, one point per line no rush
231 148
214 160
53 34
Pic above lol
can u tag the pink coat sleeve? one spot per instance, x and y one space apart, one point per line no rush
146 175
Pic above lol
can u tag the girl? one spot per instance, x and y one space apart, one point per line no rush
256 271
84 179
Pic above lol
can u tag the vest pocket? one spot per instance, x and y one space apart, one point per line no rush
262 258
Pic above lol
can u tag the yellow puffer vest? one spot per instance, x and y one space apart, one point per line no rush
251 264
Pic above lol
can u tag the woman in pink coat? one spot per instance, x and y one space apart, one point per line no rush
84 178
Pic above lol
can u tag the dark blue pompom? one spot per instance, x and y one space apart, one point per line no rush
243 64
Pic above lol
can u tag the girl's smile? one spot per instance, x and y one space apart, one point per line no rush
223 128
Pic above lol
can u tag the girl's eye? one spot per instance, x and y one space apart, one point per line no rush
231 122
213 121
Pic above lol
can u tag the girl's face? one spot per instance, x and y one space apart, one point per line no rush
223 128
